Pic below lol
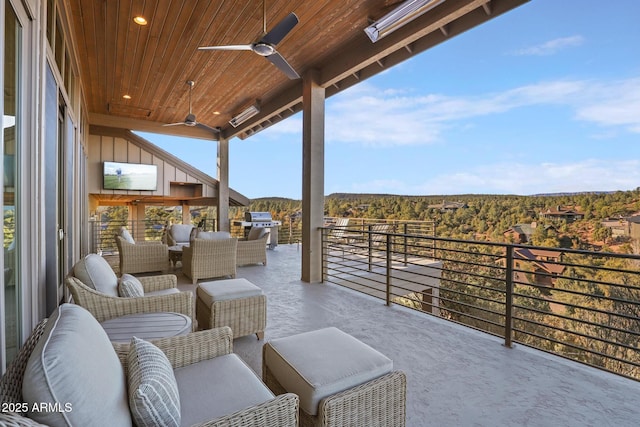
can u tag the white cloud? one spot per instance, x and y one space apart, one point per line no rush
618 104
551 47
522 179
373 117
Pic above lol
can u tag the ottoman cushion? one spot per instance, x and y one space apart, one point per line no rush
231 386
228 289
321 363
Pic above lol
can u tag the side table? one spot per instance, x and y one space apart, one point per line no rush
147 326
175 254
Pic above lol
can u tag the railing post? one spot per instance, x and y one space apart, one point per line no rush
406 247
370 244
508 317
325 254
388 299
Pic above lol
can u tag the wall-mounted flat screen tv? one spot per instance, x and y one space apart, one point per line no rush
129 176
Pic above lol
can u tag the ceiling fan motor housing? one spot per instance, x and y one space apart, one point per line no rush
263 49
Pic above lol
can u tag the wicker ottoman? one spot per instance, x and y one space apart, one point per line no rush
236 303
340 380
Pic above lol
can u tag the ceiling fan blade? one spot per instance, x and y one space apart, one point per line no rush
276 59
212 129
173 124
228 47
279 32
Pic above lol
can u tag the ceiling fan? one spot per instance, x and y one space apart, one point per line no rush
266 45
190 120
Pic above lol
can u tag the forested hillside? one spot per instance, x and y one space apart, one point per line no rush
485 217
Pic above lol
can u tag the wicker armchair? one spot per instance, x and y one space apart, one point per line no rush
142 257
93 285
105 307
195 348
252 251
205 259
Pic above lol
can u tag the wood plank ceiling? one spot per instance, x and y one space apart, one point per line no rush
152 63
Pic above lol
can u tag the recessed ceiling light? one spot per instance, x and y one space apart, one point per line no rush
126 96
140 20
217 113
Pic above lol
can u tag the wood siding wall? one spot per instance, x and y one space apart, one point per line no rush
110 148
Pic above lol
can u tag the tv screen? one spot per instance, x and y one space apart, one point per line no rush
129 176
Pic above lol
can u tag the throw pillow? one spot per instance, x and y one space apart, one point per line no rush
153 390
256 233
130 287
124 233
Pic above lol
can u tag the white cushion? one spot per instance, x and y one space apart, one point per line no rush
130 287
321 363
256 233
153 391
216 387
124 233
180 232
227 289
95 272
75 366
214 235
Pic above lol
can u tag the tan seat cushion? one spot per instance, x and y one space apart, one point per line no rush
228 289
217 387
321 363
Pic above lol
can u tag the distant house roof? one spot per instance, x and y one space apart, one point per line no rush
560 212
634 219
545 259
448 205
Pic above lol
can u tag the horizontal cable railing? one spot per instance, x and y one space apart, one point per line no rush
103 233
581 305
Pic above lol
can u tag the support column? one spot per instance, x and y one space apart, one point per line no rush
186 213
313 99
222 211
138 217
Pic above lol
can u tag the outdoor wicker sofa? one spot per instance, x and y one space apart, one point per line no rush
93 285
80 370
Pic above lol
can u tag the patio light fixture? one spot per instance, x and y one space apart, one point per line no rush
140 20
244 116
401 15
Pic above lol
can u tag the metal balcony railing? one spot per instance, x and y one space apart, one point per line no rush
102 233
581 305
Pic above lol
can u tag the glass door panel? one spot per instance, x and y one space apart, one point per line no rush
11 138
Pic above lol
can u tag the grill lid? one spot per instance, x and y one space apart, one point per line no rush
257 216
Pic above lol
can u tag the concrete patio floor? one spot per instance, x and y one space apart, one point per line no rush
456 376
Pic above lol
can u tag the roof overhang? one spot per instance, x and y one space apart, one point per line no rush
152 63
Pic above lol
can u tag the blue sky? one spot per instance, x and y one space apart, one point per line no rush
545 98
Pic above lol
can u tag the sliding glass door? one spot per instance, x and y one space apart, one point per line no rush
10 293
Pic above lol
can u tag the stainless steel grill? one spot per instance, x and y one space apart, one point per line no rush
261 219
